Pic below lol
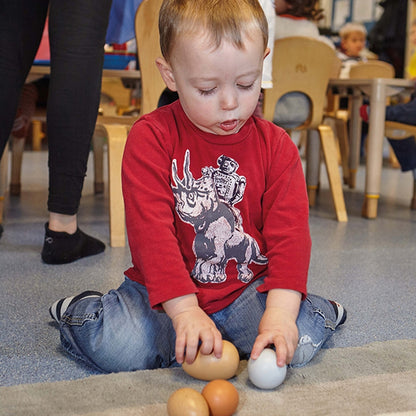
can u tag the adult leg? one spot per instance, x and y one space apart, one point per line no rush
21 27
77 31
118 331
405 150
402 113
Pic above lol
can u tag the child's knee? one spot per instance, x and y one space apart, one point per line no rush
305 351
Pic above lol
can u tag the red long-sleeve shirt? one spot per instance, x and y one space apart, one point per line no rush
209 214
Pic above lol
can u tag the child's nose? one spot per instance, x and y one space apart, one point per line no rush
229 100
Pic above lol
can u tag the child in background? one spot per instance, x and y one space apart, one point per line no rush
353 38
216 214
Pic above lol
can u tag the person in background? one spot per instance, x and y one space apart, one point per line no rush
387 37
216 214
353 38
296 18
405 149
77 30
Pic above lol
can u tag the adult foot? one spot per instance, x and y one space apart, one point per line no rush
62 247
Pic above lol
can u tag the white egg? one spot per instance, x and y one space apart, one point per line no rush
264 373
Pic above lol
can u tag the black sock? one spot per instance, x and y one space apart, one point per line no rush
61 247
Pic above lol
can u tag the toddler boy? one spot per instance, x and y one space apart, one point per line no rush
353 37
216 214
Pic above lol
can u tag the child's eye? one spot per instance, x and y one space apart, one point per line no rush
207 92
245 87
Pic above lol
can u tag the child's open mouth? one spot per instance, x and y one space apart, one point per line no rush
229 125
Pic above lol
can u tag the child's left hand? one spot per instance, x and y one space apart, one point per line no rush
278 326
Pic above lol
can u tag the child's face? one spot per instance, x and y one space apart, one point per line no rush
218 88
354 43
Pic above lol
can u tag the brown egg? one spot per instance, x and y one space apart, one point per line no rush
208 367
187 402
222 397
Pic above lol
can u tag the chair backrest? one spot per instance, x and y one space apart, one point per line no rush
336 67
300 64
148 49
372 69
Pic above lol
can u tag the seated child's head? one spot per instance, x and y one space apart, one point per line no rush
353 37
213 56
299 8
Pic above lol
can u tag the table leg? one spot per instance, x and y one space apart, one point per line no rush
355 136
374 148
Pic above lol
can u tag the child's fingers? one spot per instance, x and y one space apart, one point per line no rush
191 348
259 345
218 345
180 349
281 351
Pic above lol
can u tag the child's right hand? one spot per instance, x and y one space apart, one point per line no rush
192 325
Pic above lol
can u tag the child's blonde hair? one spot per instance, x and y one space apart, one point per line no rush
222 19
349 28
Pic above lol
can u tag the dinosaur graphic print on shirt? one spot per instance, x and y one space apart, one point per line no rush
207 203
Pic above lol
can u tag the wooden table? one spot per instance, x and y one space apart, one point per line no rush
377 89
37 70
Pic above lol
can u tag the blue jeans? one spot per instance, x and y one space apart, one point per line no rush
120 332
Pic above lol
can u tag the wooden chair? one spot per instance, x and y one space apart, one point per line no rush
148 49
305 65
337 118
115 129
399 131
372 69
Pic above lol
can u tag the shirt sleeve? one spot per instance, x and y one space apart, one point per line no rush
286 220
149 205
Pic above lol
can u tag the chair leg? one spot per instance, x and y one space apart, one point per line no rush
37 135
18 146
312 165
342 134
98 140
394 163
330 155
117 136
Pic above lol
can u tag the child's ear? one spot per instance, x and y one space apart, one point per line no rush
167 74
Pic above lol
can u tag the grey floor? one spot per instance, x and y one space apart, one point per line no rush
368 265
